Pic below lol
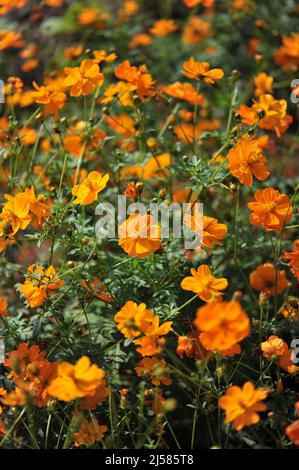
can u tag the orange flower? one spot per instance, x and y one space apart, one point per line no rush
52 99
273 347
139 77
198 70
271 209
23 360
212 230
153 369
276 117
15 215
139 235
93 17
40 284
76 381
155 166
96 288
73 51
3 307
89 433
246 160
10 39
242 404
292 431
194 3
196 30
266 278
203 283
150 345
287 55
190 346
263 84
135 319
291 308
221 325
87 191
293 257
39 209
85 79
184 91
163 27
139 40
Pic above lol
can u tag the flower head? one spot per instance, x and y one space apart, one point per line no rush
271 209
242 405
221 325
40 284
87 191
85 79
267 279
246 160
76 381
140 235
203 283
201 70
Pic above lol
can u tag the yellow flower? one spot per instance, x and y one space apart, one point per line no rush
87 191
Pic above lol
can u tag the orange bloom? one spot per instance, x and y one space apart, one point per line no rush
15 215
40 284
221 325
155 166
212 230
140 40
203 283
139 235
287 55
39 209
85 79
133 320
266 278
291 308
10 39
263 84
197 70
76 381
190 346
93 17
276 117
23 360
139 77
196 30
242 404
89 433
194 3
184 91
150 345
292 431
163 27
87 191
73 51
273 347
246 160
52 99
271 209
3 307
96 288
153 369
293 257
